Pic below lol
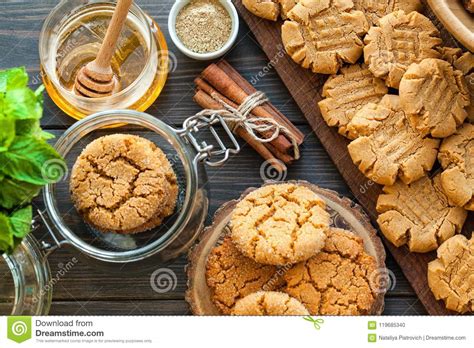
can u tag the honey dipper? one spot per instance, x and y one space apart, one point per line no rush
97 79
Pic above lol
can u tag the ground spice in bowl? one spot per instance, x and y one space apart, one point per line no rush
203 26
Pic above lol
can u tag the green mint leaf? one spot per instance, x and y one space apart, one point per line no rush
26 159
7 133
14 193
12 79
22 103
6 235
20 221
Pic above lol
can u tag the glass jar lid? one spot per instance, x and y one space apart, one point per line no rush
25 287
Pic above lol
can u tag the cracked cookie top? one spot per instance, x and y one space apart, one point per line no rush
418 214
435 96
456 156
399 40
269 303
340 280
387 146
322 35
280 224
374 10
270 9
451 275
123 183
232 276
345 93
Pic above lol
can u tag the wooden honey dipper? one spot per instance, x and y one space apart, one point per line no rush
97 79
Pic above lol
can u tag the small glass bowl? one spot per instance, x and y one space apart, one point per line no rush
142 250
25 285
139 95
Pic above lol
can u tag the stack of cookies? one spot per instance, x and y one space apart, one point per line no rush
407 105
283 258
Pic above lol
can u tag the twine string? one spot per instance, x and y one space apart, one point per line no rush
254 126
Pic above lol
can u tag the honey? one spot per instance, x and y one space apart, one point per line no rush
140 62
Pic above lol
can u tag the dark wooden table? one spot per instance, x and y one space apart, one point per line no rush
88 291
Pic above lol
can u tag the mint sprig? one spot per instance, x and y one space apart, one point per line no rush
23 153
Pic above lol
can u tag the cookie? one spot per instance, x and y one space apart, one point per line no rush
399 40
374 10
340 280
456 156
269 303
418 214
435 95
269 9
387 146
123 183
322 35
451 275
232 276
345 93
280 224
463 61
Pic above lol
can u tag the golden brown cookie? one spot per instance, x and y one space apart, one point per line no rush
232 276
123 183
374 10
340 280
387 146
418 214
269 303
322 35
435 96
399 40
345 93
280 224
456 156
451 275
463 61
269 9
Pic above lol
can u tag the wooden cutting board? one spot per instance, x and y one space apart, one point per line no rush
305 87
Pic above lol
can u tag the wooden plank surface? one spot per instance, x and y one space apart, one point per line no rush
305 88
85 289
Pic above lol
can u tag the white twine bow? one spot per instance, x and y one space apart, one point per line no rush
242 117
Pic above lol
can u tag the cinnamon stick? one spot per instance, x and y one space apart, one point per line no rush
204 100
249 89
229 88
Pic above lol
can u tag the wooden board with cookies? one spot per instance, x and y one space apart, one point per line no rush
388 91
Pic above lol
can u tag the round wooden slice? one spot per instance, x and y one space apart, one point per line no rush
344 214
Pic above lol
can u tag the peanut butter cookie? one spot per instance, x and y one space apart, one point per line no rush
387 146
269 9
451 275
463 61
399 40
346 92
232 276
340 280
456 156
374 10
280 224
269 303
418 214
322 35
435 96
123 183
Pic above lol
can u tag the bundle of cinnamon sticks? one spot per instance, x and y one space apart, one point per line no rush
220 83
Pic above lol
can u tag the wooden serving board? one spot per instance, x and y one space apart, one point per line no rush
305 87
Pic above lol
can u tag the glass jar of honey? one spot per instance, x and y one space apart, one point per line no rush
71 37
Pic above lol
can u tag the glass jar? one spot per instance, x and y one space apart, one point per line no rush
178 231
25 287
71 37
